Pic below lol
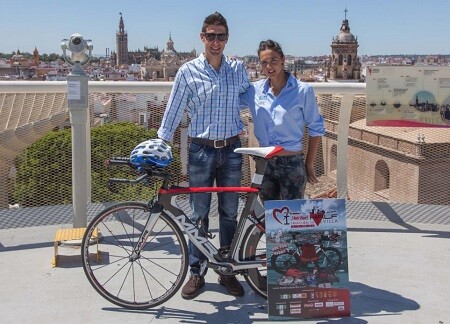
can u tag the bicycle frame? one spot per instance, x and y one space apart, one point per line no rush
231 262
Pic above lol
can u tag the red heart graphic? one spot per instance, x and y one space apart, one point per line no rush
316 217
284 211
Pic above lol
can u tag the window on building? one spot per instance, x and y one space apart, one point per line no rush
142 118
349 60
382 179
340 59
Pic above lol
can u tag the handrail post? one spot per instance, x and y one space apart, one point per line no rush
342 144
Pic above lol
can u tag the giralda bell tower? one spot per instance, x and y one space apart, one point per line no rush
121 44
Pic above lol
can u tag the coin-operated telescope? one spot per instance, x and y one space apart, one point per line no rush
78 46
78 104
77 80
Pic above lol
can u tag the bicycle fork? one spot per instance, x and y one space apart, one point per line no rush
155 211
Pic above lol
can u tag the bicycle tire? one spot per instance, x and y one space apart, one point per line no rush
254 247
284 261
330 258
130 283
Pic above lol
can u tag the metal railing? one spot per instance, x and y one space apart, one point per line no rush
355 161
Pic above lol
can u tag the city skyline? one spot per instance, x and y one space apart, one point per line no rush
302 28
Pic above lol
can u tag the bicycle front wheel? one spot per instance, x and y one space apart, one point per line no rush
135 282
283 262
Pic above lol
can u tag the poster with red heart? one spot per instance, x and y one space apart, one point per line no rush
307 259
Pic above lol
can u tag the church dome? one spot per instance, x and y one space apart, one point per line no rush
169 52
17 56
345 36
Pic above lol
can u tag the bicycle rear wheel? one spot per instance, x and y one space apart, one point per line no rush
135 283
254 248
330 258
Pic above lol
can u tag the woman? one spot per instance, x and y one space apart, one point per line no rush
281 107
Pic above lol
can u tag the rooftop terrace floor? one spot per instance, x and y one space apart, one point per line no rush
398 264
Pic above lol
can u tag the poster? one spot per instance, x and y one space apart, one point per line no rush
307 268
412 96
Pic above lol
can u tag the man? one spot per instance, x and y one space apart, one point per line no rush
208 88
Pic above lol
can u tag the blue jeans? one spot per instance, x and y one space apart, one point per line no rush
206 165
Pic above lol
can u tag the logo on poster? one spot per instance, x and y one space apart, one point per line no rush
283 213
315 217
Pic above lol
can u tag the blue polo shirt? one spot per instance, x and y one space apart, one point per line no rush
281 120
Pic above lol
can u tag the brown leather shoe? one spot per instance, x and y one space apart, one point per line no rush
192 288
233 286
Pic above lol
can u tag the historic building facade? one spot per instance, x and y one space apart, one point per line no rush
344 62
168 63
154 64
121 44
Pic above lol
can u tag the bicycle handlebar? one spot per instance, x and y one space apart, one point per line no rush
129 181
120 161
149 172
152 171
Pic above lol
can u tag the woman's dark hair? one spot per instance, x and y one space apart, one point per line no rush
215 19
270 44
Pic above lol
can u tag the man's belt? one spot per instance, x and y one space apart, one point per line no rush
216 143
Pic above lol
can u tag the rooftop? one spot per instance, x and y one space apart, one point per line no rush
393 272
397 265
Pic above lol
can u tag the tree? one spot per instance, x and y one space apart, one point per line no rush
53 57
43 176
44 170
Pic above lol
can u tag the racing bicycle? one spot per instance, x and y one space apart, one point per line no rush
306 255
135 254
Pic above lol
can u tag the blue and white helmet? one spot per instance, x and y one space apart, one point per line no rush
153 152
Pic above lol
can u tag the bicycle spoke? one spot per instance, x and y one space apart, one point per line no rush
123 282
160 266
115 273
154 278
109 264
154 237
145 278
114 237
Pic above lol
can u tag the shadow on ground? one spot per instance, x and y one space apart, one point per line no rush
366 301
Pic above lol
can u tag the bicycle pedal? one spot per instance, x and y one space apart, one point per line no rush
220 269
223 253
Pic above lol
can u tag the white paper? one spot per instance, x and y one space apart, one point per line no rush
73 90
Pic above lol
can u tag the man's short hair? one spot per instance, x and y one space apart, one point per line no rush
215 19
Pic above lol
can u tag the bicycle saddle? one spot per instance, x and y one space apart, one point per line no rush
265 152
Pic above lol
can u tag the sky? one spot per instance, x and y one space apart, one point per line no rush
303 28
